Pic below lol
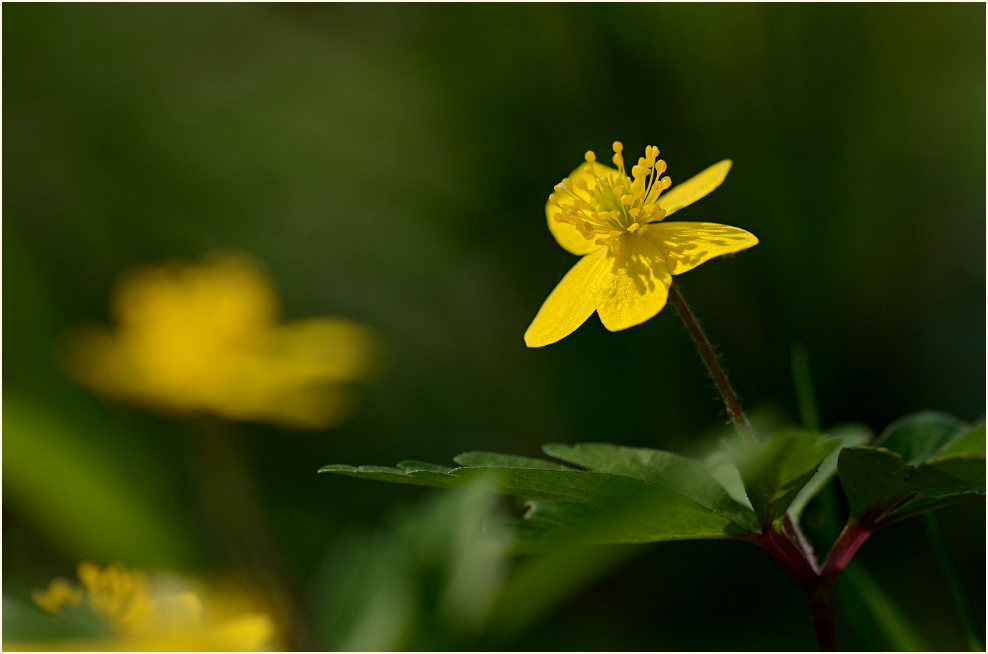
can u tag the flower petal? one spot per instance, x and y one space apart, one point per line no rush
637 284
697 186
685 245
568 236
571 302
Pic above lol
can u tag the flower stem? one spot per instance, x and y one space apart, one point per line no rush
709 357
220 467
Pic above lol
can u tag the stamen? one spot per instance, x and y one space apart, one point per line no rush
605 206
617 158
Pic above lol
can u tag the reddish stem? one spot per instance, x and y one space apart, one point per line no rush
854 535
787 546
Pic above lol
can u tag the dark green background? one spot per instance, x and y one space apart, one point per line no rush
390 163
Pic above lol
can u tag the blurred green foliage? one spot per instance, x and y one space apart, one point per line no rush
389 163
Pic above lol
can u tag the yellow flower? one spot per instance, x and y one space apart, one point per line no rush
613 219
166 614
204 338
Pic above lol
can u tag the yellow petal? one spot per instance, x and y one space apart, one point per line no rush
697 186
686 245
637 284
571 302
323 350
568 236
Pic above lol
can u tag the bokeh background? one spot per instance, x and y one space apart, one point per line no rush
390 163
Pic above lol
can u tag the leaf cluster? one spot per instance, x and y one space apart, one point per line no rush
601 493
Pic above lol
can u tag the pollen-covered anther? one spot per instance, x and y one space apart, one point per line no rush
617 158
611 239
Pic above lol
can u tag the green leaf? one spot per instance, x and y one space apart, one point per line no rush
880 484
629 496
675 473
413 466
943 482
872 478
849 436
920 436
655 515
568 485
494 460
774 470
926 461
971 442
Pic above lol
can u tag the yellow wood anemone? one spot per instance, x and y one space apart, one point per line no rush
205 338
158 614
614 220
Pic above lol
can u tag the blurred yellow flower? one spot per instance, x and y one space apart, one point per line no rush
168 614
194 338
629 256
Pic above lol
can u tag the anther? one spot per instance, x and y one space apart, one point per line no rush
590 156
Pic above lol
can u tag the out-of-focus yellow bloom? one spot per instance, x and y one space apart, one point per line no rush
195 338
629 256
167 614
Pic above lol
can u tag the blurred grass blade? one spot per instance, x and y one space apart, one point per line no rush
805 397
894 627
974 640
90 504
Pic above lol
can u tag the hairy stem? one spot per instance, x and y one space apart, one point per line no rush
709 357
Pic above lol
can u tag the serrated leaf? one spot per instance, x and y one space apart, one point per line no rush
921 436
413 466
568 485
880 484
675 473
613 508
495 460
395 475
849 436
774 470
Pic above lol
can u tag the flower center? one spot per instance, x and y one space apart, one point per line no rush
605 204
